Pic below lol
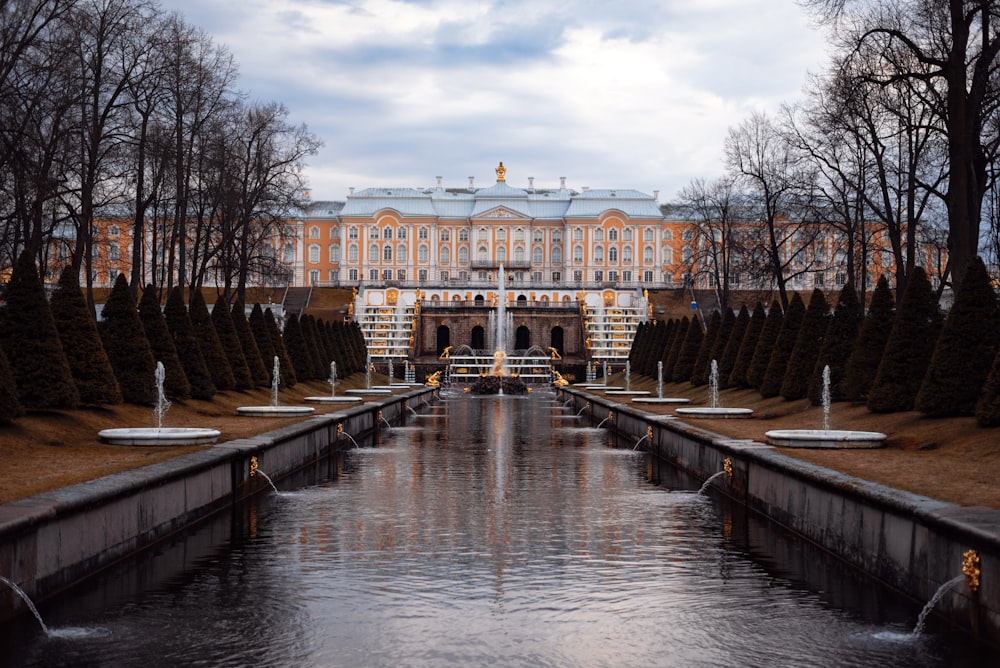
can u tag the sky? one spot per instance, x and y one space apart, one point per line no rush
607 93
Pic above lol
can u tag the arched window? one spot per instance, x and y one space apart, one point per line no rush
668 235
556 255
401 253
538 236
577 253
519 234
484 235
288 255
373 253
422 253
481 254
352 253
501 234
463 255
627 234
334 252
113 253
687 235
598 234
557 237
627 254
373 232
352 232
444 235
313 253
667 252
687 255
314 232
422 234
387 233
613 234
335 232
577 234
537 255
501 254
387 253
519 255
598 253
463 235
445 255
647 234
613 254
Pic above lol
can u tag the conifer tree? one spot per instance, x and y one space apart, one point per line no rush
837 346
988 405
727 359
230 341
189 348
175 382
88 362
807 347
259 372
761 356
688 353
127 347
909 348
258 326
360 346
309 331
639 343
341 353
965 349
859 374
326 343
211 346
40 370
670 360
783 345
660 350
10 405
298 351
288 375
738 375
702 364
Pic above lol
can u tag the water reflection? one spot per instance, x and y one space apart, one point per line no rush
488 534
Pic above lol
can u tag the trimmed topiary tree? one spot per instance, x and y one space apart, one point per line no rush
965 349
40 370
313 344
837 346
765 346
727 359
127 347
298 349
688 353
988 406
859 373
10 405
258 325
88 362
670 359
288 376
259 372
783 346
909 348
188 346
230 341
807 346
175 382
211 346
702 364
738 375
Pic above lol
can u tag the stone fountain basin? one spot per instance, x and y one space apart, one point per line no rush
661 400
825 438
717 412
332 400
159 436
275 411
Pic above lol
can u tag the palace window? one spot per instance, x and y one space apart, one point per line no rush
537 255
627 234
444 276
647 276
352 275
501 234
334 275
373 253
463 235
373 274
422 253
577 234
444 235
556 255
445 255
113 231
687 255
113 253
373 232
334 252
668 255
613 276
627 254
422 234
484 235
387 253
688 234
401 274
519 234
422 275
598 275
313 276
613 254
577 253
463 255
598 234
335 232
613 234
481 254
539 236
536 276
387 274
578 276
387 233
352 253
401 253
667 235
501 254
401 233
313 253
599 254
626 276
288 255
352 232
557 237
647 234
519 255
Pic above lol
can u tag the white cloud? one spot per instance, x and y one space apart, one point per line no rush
635 94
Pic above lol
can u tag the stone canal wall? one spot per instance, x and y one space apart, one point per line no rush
53 540
910 542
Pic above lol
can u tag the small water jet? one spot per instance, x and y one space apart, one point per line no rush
714 410
275 410
922 618
727 470
333 398
610 418
585 407
28 602
628 384
659 398
647 437
825 437
341 434
381 419
255 469
159 435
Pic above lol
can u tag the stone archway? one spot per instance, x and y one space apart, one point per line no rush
443 338
522 338
478 338
557 340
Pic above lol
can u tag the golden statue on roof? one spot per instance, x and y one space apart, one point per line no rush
501 173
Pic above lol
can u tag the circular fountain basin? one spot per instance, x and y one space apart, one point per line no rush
717 412
159 436
825 438
371 391
626 393
332 400
275 411
661 400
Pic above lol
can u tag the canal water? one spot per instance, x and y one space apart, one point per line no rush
486 531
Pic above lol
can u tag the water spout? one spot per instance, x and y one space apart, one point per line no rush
341 434
368 371
585 407
275 380
610 418
382 420
413 412
647 437
333 379
628 376
161 398
659 379
919 628
713 385
826 398
31 606
705 485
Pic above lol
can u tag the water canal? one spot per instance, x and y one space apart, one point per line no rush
485 531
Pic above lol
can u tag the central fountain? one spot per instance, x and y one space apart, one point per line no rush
659 398
333 398
714 410
159 435
274 410
498 380
825 437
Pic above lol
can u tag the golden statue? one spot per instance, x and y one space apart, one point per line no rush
501 173
445 354
559 381
434 380
554 353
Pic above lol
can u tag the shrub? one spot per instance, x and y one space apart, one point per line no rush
128 348
211 346
837 346
88 362
699 374
260 374
688 353
175 383
230 341
189 348
859 373
677 342
288 375
727 356
807 347
765 346
738 374
10 405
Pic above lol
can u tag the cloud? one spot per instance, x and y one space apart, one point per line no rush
635 94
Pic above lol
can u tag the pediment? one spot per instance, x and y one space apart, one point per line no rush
501 213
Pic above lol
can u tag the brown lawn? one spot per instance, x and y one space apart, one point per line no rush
948 459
